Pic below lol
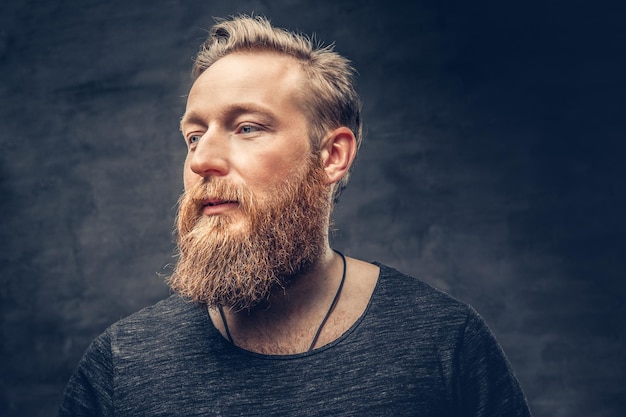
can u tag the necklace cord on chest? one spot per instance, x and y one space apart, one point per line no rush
230 338
321 326
332 305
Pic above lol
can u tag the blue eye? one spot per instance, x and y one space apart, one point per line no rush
194 139
248 129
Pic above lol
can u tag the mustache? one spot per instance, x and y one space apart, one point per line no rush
209 191
192 201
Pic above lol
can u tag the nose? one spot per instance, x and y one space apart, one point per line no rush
209 157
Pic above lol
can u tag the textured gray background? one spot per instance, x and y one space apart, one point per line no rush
493 169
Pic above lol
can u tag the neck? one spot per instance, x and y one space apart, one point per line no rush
289 321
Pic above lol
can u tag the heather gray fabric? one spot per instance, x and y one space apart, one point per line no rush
415 351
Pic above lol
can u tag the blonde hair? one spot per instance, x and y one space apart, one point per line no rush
330 98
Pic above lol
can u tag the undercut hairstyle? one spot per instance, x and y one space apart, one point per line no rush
329 95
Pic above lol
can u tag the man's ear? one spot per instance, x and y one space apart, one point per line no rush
338 150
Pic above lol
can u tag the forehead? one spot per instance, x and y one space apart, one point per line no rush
259 78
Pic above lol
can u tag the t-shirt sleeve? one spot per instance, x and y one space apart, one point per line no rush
487 385
90 389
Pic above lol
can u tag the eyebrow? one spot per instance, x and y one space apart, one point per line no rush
230 113
188 118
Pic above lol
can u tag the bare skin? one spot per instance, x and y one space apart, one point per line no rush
289 325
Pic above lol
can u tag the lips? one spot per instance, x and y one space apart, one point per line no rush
212 207
216 202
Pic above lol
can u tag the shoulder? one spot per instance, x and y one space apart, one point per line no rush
414 294
171 310
408 305
170 319
465 346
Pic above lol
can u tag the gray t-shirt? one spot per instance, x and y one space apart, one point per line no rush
415 351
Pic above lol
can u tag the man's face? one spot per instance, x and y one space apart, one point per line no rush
257 201
242 124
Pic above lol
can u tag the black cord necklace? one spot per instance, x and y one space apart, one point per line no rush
328 313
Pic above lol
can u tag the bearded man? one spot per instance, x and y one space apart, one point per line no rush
266 318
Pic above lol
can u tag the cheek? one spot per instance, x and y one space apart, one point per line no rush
278 164
256 167
264 177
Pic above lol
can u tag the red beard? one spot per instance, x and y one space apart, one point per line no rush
239 267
